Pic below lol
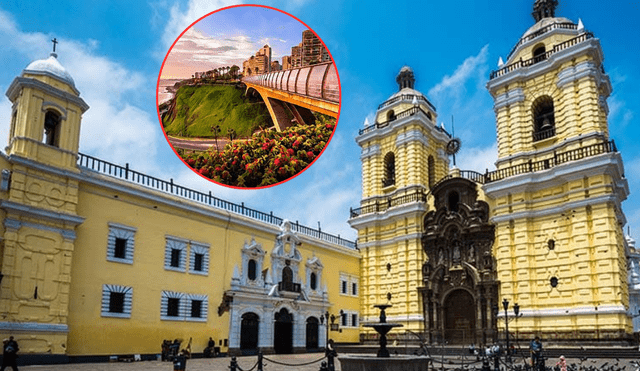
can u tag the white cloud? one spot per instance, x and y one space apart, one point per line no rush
477 158
455 84
114 128
180 19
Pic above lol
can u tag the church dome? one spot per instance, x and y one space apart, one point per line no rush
544 23
51 67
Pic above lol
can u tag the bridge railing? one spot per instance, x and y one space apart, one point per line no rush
318 81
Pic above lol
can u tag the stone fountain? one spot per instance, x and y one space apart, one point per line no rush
383 361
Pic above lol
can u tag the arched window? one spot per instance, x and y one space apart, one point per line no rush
454 199
251 274
313 281
51 128
287 275
391 115
389 170
539 53
431 171
543 118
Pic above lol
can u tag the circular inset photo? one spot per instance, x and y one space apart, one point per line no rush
248 96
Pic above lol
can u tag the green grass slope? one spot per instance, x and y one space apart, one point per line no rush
198 108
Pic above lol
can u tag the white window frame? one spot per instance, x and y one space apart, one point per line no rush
354 281
106 299
347 281
184 308
204 310
199 248
175 243
125 232
349 314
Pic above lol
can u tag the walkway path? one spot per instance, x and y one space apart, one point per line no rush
222 364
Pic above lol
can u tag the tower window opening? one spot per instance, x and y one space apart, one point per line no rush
551 244
454 199
543 118
389 170
539 54
391 116
51 128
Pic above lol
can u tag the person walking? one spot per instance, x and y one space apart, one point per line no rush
10 354
536 353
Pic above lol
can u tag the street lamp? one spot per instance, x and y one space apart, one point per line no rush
505 304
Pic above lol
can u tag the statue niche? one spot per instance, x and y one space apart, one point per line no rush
459 276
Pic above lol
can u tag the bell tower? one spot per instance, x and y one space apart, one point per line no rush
557 192
403 156
38 198
45 120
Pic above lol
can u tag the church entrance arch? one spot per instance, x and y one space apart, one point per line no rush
283 332
459 317
249 333
312 333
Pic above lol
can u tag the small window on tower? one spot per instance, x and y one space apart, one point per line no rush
51 128
539 53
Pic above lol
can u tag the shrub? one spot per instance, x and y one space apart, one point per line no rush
267 158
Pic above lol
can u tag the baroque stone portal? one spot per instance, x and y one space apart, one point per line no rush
460 281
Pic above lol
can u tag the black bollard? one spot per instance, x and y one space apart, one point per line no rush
330 365
260 361
234 364
323 366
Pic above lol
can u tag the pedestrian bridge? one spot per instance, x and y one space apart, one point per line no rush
291 94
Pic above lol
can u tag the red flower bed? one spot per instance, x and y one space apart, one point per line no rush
268 158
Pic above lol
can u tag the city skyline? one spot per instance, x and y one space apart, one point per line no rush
229 37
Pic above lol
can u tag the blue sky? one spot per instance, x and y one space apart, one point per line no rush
229 37
114 51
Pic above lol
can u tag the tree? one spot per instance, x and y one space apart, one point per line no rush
232 134
234 71
215 129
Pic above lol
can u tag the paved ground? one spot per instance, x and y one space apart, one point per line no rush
222 364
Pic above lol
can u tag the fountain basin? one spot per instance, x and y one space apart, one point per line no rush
372 363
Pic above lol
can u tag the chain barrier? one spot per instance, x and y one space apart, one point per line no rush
325 366
294 365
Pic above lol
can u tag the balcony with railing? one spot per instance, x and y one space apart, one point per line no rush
94 164
407 97
530 62
417 110
382 204
542 31
289 286
544 134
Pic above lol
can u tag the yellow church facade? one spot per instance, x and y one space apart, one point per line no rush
543 231
100 260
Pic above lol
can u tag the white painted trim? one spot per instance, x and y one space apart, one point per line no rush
33 327
554 210
396 125
553 62
602 309
550 150
38 213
